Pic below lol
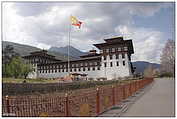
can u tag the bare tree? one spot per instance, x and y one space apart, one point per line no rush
168 58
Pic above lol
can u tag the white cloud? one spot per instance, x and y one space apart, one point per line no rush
148 43
45 25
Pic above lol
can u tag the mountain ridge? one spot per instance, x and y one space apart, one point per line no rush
64 50
24 50
142 65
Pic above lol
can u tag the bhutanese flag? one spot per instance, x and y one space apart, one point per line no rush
75 22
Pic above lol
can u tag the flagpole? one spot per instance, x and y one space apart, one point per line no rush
75 22
69 34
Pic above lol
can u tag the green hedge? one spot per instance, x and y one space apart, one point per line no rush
36 88
166 74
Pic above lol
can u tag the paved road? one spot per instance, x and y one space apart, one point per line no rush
158 101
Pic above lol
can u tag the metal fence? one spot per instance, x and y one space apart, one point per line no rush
91 102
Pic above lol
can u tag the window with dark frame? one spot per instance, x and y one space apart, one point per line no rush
105 64
129 58
123 63
104 57
110 57
110 64
98 68
93 68
110 50
117 63
123 55
88 68
117 56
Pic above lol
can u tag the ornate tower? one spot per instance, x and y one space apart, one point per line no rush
116 57
39 57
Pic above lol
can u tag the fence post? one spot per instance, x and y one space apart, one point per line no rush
134 86
97 102
133 90
130 89
124 91
113 94
66 105
7 104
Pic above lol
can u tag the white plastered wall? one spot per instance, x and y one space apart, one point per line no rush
115 71
91 74
108 72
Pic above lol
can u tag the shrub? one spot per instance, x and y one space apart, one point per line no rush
166 74
34 88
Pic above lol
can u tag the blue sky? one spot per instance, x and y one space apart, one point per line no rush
44 25
161 21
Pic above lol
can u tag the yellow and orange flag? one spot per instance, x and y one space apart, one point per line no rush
75 21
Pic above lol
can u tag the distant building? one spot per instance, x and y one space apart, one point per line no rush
113 61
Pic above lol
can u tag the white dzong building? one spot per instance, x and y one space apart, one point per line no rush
112 61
